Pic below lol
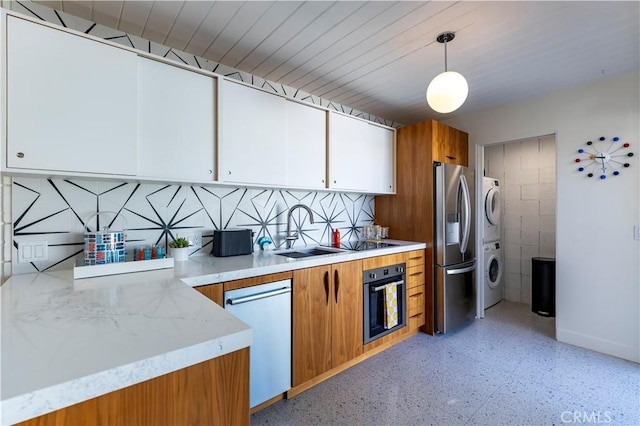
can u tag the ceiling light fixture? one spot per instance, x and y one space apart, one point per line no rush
449 89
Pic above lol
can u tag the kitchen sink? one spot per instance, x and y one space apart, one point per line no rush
297 254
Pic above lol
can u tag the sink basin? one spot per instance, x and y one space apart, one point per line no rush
297 254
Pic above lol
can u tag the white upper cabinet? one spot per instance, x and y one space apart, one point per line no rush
71 102
266 139
75 105
361 155
176 122
252 135
306 151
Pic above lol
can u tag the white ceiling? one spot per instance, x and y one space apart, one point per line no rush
379 56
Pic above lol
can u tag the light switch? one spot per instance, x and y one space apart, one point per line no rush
33 251
40 251
27 252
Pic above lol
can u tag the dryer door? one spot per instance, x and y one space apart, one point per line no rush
492 206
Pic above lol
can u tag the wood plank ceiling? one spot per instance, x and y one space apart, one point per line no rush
379 56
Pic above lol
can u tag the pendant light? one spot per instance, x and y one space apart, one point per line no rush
448 90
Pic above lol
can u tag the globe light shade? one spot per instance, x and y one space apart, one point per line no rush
447 92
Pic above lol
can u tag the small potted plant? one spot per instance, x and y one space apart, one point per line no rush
179 249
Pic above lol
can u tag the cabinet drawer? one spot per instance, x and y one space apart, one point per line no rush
415 297
415 276
386 260
416 321
415 258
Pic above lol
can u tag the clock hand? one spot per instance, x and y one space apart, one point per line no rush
604 169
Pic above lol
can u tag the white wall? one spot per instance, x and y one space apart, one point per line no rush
597 267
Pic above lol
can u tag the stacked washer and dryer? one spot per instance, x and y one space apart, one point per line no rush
493 264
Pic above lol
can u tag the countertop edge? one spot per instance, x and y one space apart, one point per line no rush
33 404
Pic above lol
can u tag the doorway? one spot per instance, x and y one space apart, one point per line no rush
526 171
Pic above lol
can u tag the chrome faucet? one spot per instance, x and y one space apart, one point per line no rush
292 237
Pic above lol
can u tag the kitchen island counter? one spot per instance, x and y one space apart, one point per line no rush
66 341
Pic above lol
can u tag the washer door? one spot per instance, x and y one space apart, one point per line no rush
493 271
492 206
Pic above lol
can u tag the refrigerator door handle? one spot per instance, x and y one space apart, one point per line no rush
467 214
461 270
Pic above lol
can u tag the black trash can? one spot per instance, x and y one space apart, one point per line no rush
543 286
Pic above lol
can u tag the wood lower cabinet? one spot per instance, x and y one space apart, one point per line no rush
416 294
346 316
415 287
214 392
327 318
214 292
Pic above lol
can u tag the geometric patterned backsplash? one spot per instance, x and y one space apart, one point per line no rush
55 210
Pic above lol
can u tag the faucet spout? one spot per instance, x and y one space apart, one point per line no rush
292 237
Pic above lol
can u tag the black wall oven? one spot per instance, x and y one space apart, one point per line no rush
375 309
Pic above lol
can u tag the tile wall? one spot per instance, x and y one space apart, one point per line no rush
526 170
56 210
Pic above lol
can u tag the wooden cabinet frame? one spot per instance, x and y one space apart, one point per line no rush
214 392
409 213
327 318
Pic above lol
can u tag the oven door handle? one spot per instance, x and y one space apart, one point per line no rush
382 287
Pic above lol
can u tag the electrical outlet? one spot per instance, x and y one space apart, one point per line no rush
195 238
33 251
636 232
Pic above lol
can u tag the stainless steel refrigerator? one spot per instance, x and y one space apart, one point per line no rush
454 246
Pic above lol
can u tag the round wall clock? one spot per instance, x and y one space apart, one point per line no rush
604 157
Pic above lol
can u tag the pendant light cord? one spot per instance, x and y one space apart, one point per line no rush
445 55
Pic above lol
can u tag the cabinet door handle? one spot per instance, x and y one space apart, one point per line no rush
326 286
336 278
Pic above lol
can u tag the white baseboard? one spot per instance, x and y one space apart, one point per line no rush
617 349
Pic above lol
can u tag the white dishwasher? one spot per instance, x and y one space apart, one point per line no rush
266 308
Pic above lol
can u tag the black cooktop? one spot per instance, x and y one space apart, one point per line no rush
360 245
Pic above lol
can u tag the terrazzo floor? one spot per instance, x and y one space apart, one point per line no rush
505 369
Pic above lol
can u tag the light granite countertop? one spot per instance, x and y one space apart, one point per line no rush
203 270
65 341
